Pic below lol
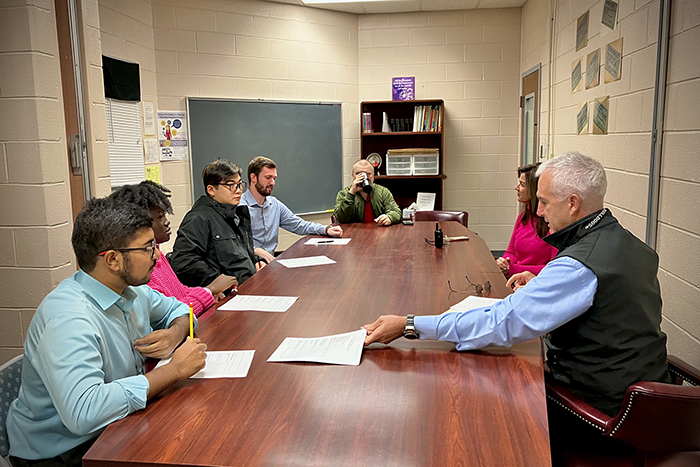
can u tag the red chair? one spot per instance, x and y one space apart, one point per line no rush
444 216
660 422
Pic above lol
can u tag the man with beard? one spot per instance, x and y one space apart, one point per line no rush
85 349
268 214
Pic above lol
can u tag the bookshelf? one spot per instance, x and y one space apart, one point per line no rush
403 187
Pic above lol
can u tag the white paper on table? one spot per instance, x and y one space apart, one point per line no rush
276 304
223 364
472 302
425 201
327 241
306 261
339 349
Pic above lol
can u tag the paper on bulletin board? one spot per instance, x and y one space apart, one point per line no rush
153 173
593 69
582 118
149 124
601 105
609 19
582 31
150 149
172 135
576 82
613 61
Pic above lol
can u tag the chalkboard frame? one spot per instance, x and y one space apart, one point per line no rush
324 179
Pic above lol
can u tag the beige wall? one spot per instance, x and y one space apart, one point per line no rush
625 151
471 60
35 212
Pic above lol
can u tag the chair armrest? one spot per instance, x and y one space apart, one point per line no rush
573 404
680 369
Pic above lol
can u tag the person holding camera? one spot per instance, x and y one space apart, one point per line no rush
363 201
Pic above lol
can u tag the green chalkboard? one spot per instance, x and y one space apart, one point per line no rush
304 139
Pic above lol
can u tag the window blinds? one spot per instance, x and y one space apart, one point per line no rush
124 137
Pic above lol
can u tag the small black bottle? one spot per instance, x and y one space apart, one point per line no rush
438 236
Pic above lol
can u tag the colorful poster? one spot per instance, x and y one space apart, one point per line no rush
403 89
172 135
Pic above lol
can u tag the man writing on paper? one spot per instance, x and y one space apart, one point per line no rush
215 237
599 299
268 214
373 204
84 354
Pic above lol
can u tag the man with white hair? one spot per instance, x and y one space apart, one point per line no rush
598 302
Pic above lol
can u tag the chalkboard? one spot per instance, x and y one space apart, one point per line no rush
304 140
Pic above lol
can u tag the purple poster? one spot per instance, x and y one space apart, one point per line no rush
403 89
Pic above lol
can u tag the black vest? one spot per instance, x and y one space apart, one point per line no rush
618 341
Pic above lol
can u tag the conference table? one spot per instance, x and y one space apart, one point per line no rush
409 403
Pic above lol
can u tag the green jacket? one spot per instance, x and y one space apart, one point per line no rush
351 207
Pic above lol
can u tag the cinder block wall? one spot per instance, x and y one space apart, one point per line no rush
625 151
471 59
35 211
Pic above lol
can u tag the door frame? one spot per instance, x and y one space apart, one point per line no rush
536 153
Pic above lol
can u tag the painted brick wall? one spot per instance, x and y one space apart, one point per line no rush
469 58
35 213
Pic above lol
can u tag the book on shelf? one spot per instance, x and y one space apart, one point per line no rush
427 118
366 122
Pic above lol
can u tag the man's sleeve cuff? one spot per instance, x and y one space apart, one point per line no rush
136 391
426 326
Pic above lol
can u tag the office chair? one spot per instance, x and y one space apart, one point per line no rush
10 377
443 216
659 423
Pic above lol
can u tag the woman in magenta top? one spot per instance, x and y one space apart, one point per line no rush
154 197
526 250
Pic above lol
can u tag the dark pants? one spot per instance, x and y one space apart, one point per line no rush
71 458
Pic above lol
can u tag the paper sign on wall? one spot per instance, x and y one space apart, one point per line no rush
153 173
613 61
582 118
582 31
172 135
150 148
601 105
593 69
576 76
149 126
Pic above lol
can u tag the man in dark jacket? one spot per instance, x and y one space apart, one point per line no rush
215 237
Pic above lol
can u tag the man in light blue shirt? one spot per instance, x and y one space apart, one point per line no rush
86 347
268 214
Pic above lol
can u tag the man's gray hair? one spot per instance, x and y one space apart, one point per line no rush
572 172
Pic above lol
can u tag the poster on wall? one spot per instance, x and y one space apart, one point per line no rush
149 126
613 61
150 148
576 76
172 135
609 18
593 69
582 31
601 105
403 89
582 118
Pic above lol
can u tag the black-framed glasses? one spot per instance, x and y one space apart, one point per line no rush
151 248
242 185
478 288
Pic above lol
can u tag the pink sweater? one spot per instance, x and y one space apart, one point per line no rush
527 251
164 280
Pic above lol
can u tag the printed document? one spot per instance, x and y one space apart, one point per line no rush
328 241
306 261
223 364
339 349
472 302
258 303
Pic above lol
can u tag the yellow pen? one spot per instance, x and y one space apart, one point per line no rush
191 322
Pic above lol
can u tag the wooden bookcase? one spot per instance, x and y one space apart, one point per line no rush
404 188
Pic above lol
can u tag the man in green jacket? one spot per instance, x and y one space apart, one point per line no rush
353 204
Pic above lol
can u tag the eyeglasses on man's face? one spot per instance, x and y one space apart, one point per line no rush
235 186
149 249
478 288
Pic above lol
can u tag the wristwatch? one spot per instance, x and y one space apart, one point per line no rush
410 331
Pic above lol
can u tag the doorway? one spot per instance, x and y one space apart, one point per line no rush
530 116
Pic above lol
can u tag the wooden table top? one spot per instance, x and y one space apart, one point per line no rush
411 403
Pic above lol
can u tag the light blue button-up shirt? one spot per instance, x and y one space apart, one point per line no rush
273 214
562 291
80 370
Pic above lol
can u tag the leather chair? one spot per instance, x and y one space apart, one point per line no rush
444 216
658 424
